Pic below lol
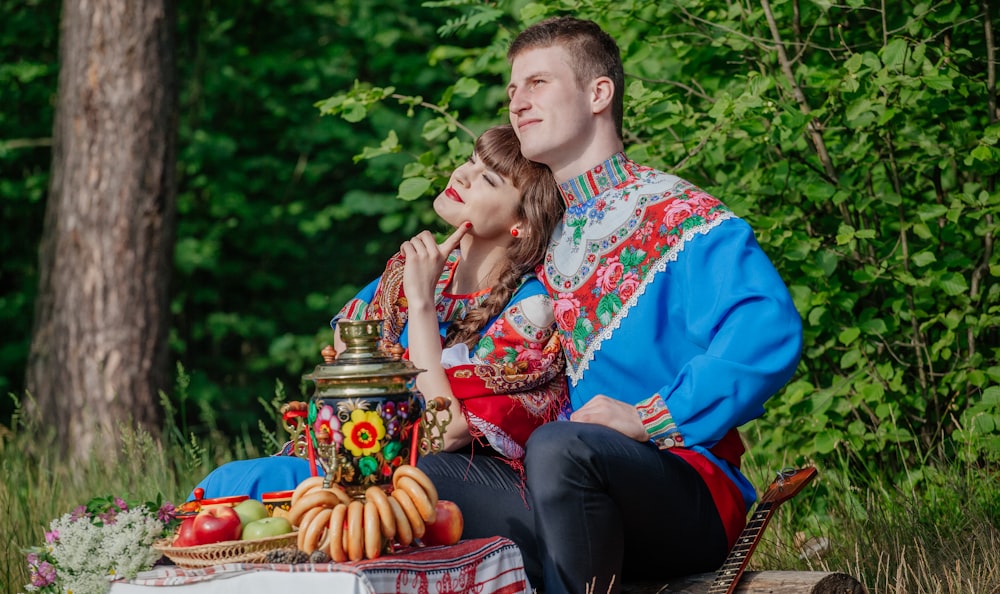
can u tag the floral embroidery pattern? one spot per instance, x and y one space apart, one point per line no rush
616 252
514 343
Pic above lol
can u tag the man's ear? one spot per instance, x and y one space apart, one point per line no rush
602 93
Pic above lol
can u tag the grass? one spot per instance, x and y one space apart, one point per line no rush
940 533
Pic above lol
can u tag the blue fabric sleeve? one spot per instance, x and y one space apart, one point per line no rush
735 305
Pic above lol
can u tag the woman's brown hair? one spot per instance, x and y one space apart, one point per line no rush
539 210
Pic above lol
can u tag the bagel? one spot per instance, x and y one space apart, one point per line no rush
316 530
386 518
404 533
419 498
338 517
304 524
418 475
312 499
373 531
340 493
412 515
355 530
305 486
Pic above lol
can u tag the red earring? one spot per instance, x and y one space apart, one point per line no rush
513 232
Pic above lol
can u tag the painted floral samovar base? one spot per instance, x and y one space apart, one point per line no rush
363 418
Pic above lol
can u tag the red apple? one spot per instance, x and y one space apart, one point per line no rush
185 533
447 526
216 524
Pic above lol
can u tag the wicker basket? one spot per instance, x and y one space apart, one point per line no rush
230 551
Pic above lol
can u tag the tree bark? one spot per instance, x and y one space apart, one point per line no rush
99 343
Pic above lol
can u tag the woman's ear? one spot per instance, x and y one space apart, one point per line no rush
602 93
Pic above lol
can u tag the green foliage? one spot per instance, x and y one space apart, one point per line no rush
28 74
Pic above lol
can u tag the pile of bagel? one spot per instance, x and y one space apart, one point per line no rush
351 529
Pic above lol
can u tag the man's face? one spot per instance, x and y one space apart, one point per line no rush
551 114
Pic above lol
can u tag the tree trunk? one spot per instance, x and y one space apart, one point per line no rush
99 345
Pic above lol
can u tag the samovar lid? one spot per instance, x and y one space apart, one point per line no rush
362 359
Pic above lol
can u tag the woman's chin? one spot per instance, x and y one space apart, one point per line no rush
448 211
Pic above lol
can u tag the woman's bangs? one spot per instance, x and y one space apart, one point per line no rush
499 151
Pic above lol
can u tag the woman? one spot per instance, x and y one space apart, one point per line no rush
469 311
499 361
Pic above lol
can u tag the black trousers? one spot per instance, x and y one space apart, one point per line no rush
598 506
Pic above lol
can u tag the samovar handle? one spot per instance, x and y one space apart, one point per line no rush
433 422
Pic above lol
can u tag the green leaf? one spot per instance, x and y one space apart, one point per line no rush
938 83
894 53
850 359
413 188
983 153
928 212
845 236
435 128
924 258
848 335
466 87
875 326
853 63
354 112
533 11
953 284
826 441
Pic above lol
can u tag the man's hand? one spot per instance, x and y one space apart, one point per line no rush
424 261
615 414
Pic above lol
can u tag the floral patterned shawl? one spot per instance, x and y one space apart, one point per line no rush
514 378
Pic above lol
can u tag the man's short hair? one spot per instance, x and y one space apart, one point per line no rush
593 53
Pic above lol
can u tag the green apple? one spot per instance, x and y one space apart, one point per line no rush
266 527
250 510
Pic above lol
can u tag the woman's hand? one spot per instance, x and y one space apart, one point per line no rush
424 261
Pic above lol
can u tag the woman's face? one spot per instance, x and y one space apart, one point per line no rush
481 196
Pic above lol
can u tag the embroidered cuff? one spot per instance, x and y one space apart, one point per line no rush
659 423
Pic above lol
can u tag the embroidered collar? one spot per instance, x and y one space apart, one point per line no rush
613 172
452 306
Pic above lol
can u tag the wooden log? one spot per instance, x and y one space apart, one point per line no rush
758 582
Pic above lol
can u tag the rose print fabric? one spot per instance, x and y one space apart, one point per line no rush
512 381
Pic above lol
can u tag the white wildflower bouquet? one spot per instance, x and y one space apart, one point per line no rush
96 543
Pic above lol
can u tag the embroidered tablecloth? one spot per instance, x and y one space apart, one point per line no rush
483 566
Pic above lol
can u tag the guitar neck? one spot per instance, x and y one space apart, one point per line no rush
736 563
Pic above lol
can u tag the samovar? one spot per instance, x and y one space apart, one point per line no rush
365 417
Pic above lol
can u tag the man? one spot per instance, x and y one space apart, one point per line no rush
676 328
